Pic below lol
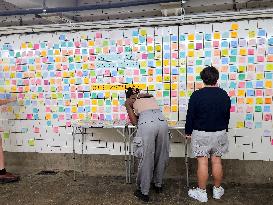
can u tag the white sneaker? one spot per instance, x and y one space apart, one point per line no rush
198 194
218 192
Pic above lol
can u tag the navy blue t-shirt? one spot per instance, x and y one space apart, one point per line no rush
208 110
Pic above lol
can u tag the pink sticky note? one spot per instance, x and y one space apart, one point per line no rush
29 116
48 109
79 73
13 82
251 51
91 51
115 108
56 129
144 56
249 109
174 93
242 59
241 85
101 117
98 35
199 46
36 46
232 108
122 116
77 51
166 70
61 117
38 81
107 72
68 123
74 116
120 49
77 44
260 58
272 142
259 92
41 96
136 71
215 44
21 96
113 79
267 117
175 55
36 130
95 117
93 80
73 95
127 42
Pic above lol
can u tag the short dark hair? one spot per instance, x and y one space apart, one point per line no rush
209 75
131 91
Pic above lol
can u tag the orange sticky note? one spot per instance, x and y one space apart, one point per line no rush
249 101
191 37
217 35
268 84
233 34
234 26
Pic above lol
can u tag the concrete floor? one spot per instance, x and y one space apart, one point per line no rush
62 190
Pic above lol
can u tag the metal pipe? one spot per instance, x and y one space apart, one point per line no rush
83 8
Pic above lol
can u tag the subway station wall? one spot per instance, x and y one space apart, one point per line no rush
62 77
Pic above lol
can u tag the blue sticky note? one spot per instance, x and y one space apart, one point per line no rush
259 84
70 44
267 108
174 71
182 54
121 101
19 75
101 95
87 108
250 93
159 86
270 41
233 52
52 74
270 50
56 46
199 37
208 37
232 68
225 34
234 44
251 59
268 76
233 100
249 84
86 95
108 109
66 88
66 96
84 52
151 63
249 116
27 102
67 110
158 71
129 80
55 116
232 84
225 61
224 76
182 37
48 123
81 109
36 117
50 52
51 67
207 62
166 47
50 59
207 54
174 38
258 124
224 44
207 45
190 69
166 55
261 32
62 37
35 110
108 117
142 39
135 33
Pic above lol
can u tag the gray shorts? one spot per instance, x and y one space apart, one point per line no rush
205 144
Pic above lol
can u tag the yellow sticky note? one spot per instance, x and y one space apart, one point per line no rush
143 64
57 52
57 59
174 108
72 81
94 102
94 109
115 102
167 86
191 37
259 100
86 80
81 116
80 103
23 45
182 93
74 109
241 92
243 52
166 78
240 124
268 84
249 101
224 52
158 78
158 63
269 67
234 26
43 53
31 142
135 40
65 74
233 34
174 63
143 32
242 68
151 87
150 49
166 62
259 76
91 43
191 53
217 35
252 34
158 48
107 95
174 86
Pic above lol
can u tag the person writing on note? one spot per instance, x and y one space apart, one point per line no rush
207 124
151 143
5 177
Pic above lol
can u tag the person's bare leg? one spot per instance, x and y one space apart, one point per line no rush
2 162
217 170
202 172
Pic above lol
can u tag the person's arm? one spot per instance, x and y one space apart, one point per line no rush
190 117
6 101
129 107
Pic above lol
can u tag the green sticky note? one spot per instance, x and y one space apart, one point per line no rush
191 46
182 70
121 72
18 54
258 108
60 96
114 95
151 56
242 76
6 135
105 43
232 59
166 93
128 49
40 89
53 89
98 50
31 142
70 59
143 71
92 73
198 78
94 95
100 102
198 62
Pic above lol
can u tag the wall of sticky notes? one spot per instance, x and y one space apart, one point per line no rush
61 77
